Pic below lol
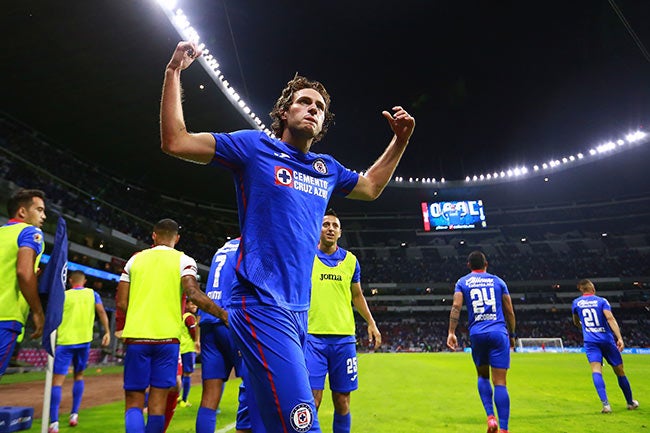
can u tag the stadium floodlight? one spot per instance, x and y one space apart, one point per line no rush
186 31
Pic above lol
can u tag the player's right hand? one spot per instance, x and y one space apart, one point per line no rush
184 55
39 321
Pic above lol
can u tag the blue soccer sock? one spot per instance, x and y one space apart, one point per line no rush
342 423
502 402
599 383
77 394
155 424
206 420
134 420
485 392
55 402
625 387
187 382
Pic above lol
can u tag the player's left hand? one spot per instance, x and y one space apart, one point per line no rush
374 336
452 342
619 344
401 123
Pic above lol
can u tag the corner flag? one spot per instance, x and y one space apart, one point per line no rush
53 283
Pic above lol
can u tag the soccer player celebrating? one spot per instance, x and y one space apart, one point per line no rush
336 285
73 343
150 293
491 325
283 189
21 247
602 339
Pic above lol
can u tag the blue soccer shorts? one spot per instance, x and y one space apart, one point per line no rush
8 338
607 349
77 354
271 341
327 355
150 364
492 348
218 352
188 360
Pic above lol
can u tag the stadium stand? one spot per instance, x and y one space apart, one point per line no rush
541 249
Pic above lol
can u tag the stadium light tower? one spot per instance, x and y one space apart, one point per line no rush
186 31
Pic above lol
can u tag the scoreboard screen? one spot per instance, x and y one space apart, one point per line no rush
453 215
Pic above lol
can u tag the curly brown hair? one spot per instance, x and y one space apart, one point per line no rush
286 98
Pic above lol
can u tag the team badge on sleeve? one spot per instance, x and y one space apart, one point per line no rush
302 417
38 237
319 166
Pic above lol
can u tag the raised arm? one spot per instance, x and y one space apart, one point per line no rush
371 185
454 316
28 284
192 290
361 305
175 140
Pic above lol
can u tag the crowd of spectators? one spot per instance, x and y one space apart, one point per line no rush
80 190
428 333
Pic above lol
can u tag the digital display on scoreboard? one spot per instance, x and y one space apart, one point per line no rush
453 215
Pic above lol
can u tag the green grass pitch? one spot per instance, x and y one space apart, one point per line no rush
436 393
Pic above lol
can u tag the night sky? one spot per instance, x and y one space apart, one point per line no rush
491 84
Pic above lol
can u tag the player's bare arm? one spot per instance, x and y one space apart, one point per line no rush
576 321
175 139
103 319
613 325
371 185
122 297
454 316
194 293
509 315
28 284
359 301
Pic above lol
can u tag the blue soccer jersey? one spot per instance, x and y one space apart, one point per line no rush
589 309
221 278
282 195
482 293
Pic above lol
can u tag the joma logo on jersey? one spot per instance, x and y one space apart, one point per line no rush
332 277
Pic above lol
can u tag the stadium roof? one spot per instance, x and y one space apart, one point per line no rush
490 84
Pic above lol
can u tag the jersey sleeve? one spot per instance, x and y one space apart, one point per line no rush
125 272
188 266
504 287
605 305
31 237
356 277
346 179
98 299
232 150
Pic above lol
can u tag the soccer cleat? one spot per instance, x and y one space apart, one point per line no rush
184 403
54 427
74 419
633 405
492 424
606 409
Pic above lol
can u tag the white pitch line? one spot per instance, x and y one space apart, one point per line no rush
226 429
